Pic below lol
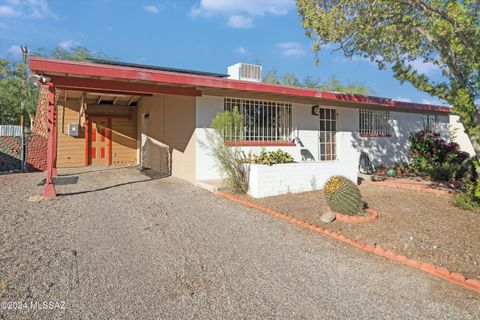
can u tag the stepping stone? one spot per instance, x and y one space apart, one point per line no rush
327 217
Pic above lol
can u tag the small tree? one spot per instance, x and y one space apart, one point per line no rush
228 126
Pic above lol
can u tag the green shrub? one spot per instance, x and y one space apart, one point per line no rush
343 196
443 172
272 157
433 156
466 201
230 159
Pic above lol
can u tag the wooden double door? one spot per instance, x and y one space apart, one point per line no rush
100 146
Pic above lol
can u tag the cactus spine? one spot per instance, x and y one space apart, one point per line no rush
343 196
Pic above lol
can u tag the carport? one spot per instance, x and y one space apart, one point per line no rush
76 90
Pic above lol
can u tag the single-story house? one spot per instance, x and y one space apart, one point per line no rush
114 113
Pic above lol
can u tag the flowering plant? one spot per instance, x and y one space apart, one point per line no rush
433 156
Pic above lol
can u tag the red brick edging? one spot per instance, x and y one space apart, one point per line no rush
439 272
372 216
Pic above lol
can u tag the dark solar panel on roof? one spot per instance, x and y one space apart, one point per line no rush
143 66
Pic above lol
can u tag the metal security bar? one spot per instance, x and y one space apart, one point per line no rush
262 120
374 122
430 122
328 129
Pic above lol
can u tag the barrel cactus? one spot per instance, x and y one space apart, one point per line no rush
343 196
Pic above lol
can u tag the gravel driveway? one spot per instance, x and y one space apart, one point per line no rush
121 245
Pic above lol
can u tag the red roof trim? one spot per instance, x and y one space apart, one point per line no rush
96 85
48 66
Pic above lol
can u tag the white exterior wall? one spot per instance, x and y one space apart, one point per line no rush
460 136
273 180
395 148
386 150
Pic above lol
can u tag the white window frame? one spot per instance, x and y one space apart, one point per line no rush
374 123
264 120
430 122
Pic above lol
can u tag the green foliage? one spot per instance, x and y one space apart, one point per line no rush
229 124
17 95
466 201
433 156
332 84
272 157
401 34
74 54
469 198
343 196
230 160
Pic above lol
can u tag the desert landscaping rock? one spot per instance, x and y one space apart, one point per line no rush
119 245
328 217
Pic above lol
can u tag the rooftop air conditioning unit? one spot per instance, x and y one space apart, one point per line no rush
246 72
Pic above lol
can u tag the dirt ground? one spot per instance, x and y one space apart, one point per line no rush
412 223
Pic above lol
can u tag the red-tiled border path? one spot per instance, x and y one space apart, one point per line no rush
439 272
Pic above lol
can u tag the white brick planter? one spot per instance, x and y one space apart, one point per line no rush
273 180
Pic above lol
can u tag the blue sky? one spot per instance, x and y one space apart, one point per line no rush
205 35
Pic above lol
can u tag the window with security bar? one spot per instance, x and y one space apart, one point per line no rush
267 121
374 122
328 129
430 123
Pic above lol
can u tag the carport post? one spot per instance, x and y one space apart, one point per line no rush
49 189
55 137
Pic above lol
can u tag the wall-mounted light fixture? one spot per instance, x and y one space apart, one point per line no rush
36 79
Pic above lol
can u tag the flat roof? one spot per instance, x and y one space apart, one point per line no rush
150 67
111 76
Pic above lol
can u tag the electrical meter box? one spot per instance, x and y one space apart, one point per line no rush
73 129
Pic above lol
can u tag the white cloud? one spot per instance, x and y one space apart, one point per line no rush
151 8
8 11
109 28
15 50
241 50
26 9
431 101
240 22
68 44
241 13
403 99
250 7
289 49
424 67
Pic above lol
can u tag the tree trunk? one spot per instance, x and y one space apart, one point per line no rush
31 117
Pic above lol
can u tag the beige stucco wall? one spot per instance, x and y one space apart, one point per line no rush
170 135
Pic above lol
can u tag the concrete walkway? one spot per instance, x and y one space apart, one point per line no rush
121 245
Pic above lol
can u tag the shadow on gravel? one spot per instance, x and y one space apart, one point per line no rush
61 181
88 172
104 188
152 174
